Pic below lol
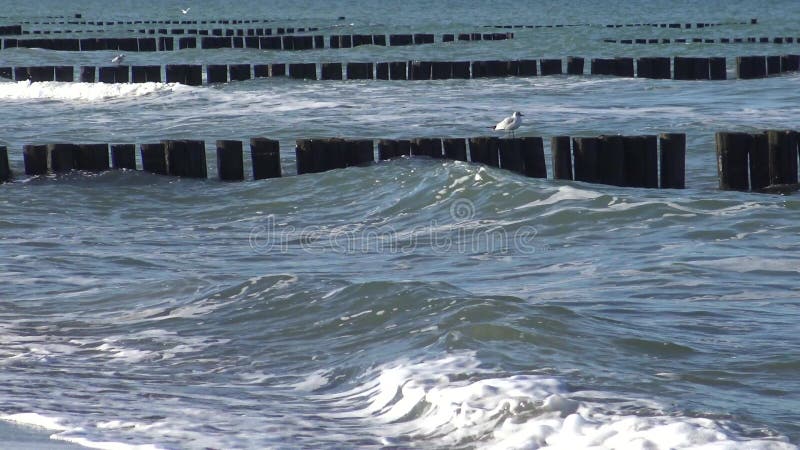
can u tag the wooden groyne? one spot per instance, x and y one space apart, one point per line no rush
698 40
676 68
250 38
631 161
679 25
760 162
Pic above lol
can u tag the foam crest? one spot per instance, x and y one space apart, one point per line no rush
452 401
34 420
54 90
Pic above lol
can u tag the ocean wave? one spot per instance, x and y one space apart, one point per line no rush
453 401
90 92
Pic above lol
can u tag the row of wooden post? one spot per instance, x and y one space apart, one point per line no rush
622 160
173 31
757 161
246 21
285 42
747 40
148 22
616 160
679 68
628 25
185 158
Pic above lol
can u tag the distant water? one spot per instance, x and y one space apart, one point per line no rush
412 303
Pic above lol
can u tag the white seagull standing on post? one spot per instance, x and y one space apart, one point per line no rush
510 123
118 59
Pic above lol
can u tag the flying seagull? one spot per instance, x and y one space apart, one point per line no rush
118 59
185 11
510 123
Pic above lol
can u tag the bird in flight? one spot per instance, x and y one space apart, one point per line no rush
185 11
118 59
510 123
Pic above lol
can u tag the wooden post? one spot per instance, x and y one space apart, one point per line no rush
194 75
359 71
732 149
585 155
673 160
532 152
216 73
623 67
455 148
239 72
684 68
87 74
575 65
186 158
644 68
641 161
419 70
387 149
230 164
461 69
773 65
701 69
62 157
266 159
260 70
527 68
550 66
306 71
91 157
511 155
382 71
759 162
430 147
441 70
5 170
175 73
401 39
562 157
360 152
718 69
277 70
65 74
123 156
331 71
154 158
484 150
749 67
308 156
35 157
782 146
611 160
602 66
790 63
397 70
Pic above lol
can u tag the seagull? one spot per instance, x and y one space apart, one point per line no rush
118 59
185 11
510 123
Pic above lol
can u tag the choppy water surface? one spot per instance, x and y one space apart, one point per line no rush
412 303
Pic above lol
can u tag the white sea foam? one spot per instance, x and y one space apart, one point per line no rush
563 193
54 90
452 401
34 420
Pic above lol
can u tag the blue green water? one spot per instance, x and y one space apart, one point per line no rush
412 303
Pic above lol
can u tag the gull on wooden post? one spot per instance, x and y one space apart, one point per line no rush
510 123
118 59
